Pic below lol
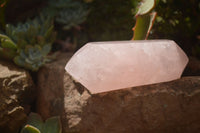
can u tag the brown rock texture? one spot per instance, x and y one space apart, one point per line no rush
50 87
170 107
16 92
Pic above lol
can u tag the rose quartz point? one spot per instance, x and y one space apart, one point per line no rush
108 66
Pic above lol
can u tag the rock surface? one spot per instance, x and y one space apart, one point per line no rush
160 108
16 94
50 87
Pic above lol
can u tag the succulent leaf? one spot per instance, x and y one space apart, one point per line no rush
6 42
7 53
33 57
8 48
52 125
70 18
146 6
30 129
46 49
31 38
35 120
68 13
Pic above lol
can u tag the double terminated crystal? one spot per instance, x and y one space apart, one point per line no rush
106 66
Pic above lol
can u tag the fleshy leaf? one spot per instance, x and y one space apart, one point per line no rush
145 7
52 125
46 49
35 120
31 39
6 42
8 49
7 53
30 129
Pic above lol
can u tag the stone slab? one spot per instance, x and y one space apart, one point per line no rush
50 87
165 107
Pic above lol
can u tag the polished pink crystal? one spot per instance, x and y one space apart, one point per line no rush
107 66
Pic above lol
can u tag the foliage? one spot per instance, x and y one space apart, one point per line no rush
144 19
145 7
108 20
31 40
70 18
178 20
30 129
180 17
35 124
8 48
68 13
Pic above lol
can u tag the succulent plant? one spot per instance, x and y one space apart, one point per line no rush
68 13
35 124
38 31
71 18
32 57
28 43
144 19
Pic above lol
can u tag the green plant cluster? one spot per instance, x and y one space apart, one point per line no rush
29 43
68 13
179 20
35 124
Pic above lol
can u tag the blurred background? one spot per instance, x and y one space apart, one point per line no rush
77 22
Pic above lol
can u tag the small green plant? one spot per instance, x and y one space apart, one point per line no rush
68 13
28 44
8 49
30 129
35 124
144 19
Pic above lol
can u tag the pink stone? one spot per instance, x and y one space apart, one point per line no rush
107 66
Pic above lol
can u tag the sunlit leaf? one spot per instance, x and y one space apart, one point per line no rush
145 7
30 129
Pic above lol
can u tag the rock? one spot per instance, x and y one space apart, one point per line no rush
50 87
16 94
112 65
165 107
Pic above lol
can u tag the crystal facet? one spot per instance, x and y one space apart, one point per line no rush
106 66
